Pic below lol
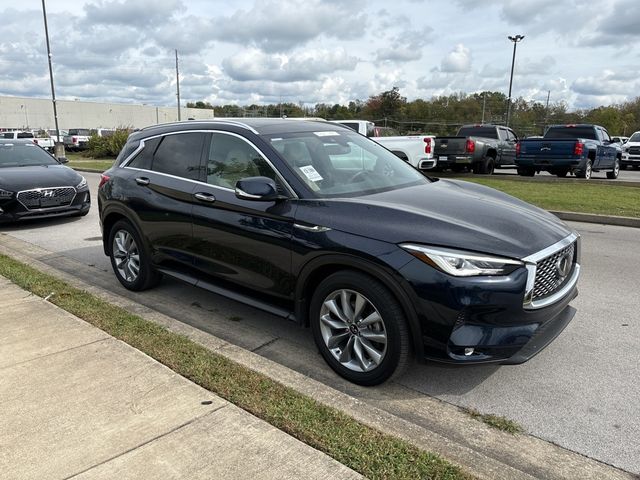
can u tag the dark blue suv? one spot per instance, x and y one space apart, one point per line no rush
314 222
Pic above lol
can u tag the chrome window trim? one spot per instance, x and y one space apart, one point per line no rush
125 164
45 188
531 263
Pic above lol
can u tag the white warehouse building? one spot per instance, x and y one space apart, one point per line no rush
37 113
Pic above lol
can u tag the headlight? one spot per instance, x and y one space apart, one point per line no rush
625 148
460 263
82 185
5 193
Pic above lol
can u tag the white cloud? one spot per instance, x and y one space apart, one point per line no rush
458 60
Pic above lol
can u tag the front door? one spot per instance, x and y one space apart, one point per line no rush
241 241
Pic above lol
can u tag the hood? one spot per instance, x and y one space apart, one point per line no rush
449 213
16 179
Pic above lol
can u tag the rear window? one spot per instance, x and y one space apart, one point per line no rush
486 132
25 135
571 132
80 131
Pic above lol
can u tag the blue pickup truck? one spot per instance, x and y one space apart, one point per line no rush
576 149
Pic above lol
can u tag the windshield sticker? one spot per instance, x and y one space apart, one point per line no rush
311 173
327 134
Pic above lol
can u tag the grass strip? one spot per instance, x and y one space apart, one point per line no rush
362 448
582 197
495 421
101 165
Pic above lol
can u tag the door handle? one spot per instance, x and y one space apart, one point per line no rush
142 181
205 197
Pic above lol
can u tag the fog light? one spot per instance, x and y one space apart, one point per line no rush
468 351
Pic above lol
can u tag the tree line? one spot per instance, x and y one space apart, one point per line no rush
444 114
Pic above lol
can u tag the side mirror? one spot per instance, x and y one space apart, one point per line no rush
260 189
63 159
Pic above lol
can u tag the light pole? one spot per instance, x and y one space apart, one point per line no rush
58 145
515 39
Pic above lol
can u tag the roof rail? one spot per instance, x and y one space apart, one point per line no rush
208 120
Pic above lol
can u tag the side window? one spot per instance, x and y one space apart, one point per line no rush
605 136
179 155
511 136
144 158
231 159
502 134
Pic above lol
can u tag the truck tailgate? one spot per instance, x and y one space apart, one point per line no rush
450 146
548 148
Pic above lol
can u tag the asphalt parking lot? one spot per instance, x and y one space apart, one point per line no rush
581 392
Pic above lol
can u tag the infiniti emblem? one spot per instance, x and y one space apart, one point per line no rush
563 266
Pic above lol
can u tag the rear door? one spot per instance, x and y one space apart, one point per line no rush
163 180
241 241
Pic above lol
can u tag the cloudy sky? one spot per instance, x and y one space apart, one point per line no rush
312 51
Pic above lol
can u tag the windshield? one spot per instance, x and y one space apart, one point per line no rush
334 164
635 137
571 132
23 155
80 131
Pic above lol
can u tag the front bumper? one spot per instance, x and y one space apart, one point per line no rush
630 160
484 319
13 211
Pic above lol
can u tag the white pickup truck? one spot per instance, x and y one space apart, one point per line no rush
414 149
45 142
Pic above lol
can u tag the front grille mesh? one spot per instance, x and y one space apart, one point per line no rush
47 197
548 280
634 150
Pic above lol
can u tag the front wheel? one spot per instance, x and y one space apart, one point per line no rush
612 175
129 260
359 328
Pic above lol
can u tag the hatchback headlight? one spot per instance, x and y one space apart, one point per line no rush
82 185
460 263
5 193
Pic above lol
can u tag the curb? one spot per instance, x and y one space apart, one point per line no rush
482 451
517 178
595 218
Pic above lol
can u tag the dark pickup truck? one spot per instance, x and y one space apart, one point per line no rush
481 147
577 149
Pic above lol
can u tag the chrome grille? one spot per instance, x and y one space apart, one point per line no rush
47 197
548 276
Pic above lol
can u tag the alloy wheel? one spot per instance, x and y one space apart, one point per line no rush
353 330
126 255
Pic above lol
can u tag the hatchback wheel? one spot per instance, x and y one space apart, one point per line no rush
359 328
129 260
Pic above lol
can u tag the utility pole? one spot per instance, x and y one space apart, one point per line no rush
177 83
515 41
58 147
546 112
484 105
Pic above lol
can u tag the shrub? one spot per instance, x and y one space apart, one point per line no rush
110 146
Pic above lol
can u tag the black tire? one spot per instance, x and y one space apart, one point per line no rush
488 165
392 326
612 175
147 276
526 171
586 173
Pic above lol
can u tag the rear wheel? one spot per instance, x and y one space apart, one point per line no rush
359 328
586 173
487 166
612 175
526 171
129 260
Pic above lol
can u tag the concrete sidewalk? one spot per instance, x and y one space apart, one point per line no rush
77 403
